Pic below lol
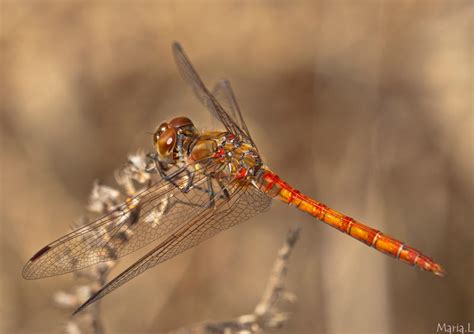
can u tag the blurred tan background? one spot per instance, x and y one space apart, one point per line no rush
365 105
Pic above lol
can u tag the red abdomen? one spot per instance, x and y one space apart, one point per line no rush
272 185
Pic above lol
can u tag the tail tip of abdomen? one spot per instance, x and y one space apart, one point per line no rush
438 270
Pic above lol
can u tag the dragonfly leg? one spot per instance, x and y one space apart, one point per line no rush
210 191
211 202
225 192
151 163
158 167
212 195
189 186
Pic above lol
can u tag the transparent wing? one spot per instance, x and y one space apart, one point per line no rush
148 216
202 93
224 93
245 202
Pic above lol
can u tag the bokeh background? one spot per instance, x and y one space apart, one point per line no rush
365 105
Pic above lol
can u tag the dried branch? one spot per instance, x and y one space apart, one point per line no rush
267 314
102 200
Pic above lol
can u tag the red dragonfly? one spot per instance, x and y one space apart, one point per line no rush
208 182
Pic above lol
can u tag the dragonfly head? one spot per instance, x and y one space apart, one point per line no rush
172 138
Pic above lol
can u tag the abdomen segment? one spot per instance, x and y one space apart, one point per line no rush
273 186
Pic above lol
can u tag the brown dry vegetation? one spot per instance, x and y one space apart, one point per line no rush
365 105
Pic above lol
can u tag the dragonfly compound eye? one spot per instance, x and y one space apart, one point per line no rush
166 142
159 130
162 128
181 122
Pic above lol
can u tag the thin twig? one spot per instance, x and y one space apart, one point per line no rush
102 200
267 314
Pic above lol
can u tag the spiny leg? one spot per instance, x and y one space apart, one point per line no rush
190 185
225 191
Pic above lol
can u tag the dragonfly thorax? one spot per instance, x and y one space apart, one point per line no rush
240 157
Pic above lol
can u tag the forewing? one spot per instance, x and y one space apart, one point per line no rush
245 202
224 93
202 93
148 216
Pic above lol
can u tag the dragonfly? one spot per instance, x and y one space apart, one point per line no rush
207 182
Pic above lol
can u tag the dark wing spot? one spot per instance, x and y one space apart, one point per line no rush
40 252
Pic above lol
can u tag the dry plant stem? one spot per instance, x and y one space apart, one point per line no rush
97 326
96 322
102 200
266 315
276 284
